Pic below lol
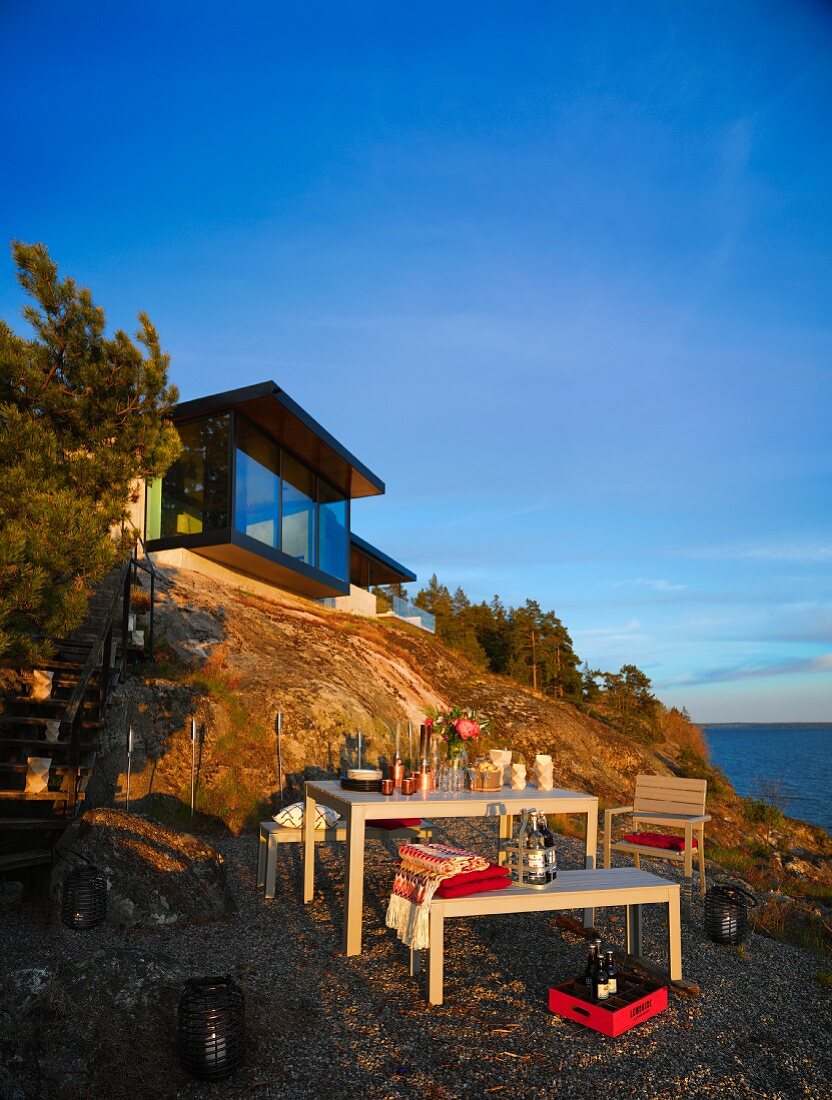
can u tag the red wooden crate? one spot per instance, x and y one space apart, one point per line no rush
637 1000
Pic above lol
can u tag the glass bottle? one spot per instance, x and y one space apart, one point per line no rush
535 852
612 973
600 979
586 981
550 855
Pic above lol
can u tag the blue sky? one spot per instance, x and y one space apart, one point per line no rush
559 273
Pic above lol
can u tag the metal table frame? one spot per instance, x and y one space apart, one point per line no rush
359 809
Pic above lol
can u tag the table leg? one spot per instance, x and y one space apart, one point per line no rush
634 930
436 958
506 829
261 858
591 853
308 849
354 887
415 963
674 934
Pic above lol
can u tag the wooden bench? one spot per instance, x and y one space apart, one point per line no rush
272 834
625 886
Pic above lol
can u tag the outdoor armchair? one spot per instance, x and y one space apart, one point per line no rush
666 801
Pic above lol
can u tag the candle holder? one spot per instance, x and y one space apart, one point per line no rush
409 784
210 1037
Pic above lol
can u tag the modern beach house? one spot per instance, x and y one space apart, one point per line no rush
263 489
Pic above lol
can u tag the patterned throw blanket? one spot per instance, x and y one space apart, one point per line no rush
422 868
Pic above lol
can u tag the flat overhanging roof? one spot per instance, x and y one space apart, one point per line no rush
385 570
272 410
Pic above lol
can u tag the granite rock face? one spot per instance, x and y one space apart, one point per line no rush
155 875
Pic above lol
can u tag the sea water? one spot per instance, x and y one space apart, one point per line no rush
792 761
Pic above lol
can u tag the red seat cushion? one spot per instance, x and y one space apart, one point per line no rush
397 823
481 886
659 840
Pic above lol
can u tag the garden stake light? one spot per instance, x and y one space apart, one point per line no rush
129 756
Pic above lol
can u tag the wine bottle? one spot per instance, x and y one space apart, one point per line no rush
600 979
589 971
550 855
612 973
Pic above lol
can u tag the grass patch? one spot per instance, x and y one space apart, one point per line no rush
760 812
824 979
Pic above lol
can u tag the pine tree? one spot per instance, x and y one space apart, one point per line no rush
82 417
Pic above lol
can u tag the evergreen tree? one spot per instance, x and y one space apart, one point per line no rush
82 417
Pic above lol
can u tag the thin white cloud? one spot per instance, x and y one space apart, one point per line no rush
655 585
731 674
811 551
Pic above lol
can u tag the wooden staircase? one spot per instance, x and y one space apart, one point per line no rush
85 668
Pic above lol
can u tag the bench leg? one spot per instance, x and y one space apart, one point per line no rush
674 936
261 859
271 866
634 930
687 890
436 960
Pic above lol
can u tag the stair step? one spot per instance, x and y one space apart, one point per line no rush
13 860
42 796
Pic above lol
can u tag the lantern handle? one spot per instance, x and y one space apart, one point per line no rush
60 852
735 893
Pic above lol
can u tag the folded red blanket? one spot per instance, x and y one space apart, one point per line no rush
493 870
397 823
481 886
659 840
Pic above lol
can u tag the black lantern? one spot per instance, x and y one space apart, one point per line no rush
211 1027
726 912
84 897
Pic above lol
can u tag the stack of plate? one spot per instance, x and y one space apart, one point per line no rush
362 779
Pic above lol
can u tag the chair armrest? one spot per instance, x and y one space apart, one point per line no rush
618 810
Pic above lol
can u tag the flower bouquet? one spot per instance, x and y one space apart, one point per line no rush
456 726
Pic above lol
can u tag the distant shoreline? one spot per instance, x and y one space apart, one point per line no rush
771 725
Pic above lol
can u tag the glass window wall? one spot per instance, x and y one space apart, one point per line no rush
257 486
195 490
333 536
298 524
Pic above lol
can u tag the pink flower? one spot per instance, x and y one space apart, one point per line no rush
428 722
467 728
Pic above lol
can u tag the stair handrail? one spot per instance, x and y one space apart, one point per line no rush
147 565
100 654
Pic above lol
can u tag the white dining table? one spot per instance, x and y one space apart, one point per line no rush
360 808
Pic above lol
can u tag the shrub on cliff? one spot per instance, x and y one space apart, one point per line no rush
82 416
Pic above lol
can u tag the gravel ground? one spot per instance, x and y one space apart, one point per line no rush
321 1025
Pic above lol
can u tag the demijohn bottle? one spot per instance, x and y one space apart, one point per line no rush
535 852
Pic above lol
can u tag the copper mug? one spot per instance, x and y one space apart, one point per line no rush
408 785
387 786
